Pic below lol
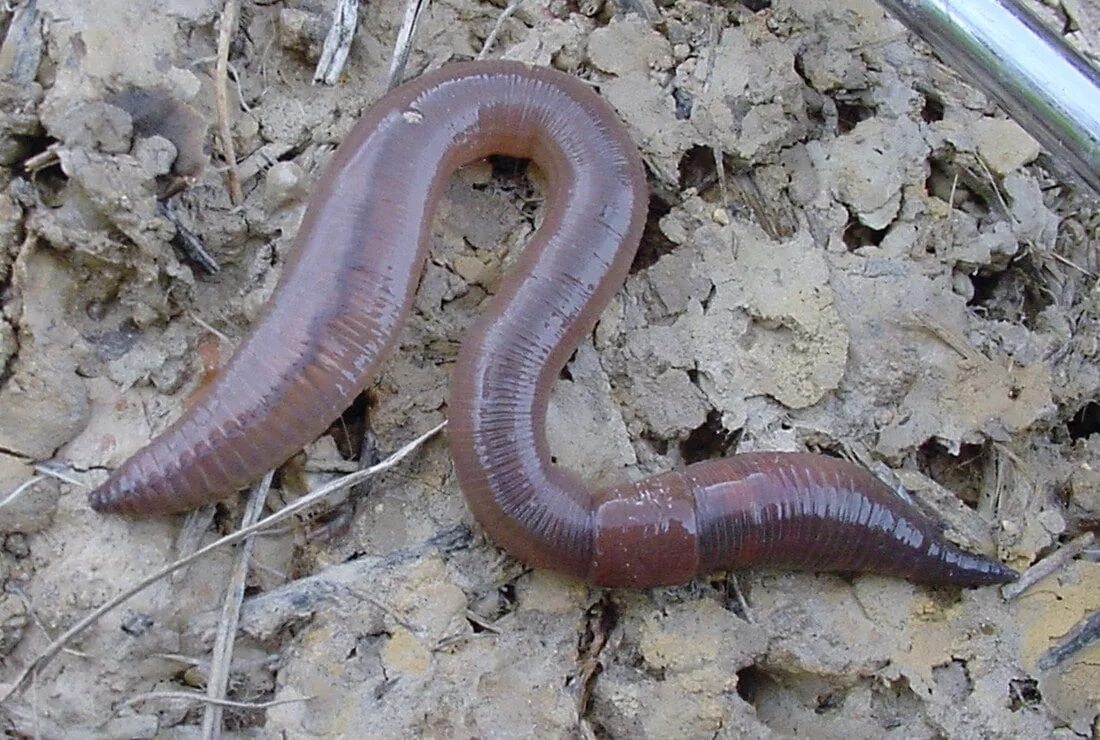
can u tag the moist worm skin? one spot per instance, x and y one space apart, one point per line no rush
349 285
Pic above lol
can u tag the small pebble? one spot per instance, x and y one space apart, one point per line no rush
284 183
137 625
16 545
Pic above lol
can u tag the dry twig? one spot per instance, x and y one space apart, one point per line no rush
191 533
1084 633
227 27
48 157
202 698
947 335
742 602
203 665
208 327
304 502
47 469
334 53
222 655
401 48
1047 565
491 39
1069 263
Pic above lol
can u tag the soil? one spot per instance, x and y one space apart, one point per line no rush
850 250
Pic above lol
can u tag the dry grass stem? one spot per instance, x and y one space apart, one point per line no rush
304 502
206 325
222 655
47 469
491 39
741 600
227 27
202 698
21 489
1070 263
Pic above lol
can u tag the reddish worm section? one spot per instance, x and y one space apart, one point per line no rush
350 283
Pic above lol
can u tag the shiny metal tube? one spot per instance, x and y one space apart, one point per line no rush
1042 82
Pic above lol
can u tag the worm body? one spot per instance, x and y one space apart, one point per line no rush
350 283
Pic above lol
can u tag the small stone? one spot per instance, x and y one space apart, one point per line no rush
246 133
16 545
137 624
670 403
96 125
156 155
471 269
629 45
590 8
961 284
13 622
302 32
1052 521
1004 145
284 184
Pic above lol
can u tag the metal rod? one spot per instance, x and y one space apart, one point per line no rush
1039 79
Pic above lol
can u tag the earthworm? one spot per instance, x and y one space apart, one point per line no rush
349 285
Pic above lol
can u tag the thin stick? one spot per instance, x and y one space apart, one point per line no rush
741 601
304 502
240 90
197 697
209 327
227 27
491 39
1047 565
403 45
477 619
222 655
996 190
1084 633
191 534
334 53
1069 263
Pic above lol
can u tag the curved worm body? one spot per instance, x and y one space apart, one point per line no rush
350 282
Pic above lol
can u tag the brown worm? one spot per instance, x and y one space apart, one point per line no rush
349 285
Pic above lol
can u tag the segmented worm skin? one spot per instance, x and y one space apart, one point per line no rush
349 284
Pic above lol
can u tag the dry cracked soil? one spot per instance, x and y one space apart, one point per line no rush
849 250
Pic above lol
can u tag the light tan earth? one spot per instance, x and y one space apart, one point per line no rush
884 268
